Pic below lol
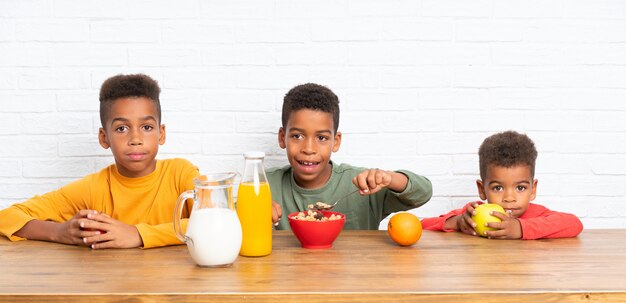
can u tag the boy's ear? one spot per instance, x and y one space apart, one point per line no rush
481 189
161 134
281 138
533 193
102 138
337 142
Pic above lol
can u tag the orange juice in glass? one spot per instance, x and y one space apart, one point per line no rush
254 208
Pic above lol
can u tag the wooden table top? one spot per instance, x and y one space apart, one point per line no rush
363 266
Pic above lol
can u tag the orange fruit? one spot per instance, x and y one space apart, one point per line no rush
404 229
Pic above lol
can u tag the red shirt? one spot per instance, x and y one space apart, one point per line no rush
537 222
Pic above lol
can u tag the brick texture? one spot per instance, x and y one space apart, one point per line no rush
421 84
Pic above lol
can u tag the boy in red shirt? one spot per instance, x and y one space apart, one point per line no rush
507 169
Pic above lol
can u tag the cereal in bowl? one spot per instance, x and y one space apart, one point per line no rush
319 206
314 215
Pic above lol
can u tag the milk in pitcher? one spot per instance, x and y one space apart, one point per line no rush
216 236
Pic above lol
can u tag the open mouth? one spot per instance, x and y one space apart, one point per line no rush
308 165
305 163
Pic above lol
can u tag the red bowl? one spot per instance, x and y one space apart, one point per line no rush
317 234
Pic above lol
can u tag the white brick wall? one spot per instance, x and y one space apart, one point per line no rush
421 84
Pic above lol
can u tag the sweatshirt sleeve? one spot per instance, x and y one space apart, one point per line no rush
157 235
417 192
160 234
58 206
544 223
438 223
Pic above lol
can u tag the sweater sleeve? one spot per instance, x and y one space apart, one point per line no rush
160 234
157 235
418 191
58 206
439 223
539 222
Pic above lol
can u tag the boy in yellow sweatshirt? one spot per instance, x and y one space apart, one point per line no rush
128 204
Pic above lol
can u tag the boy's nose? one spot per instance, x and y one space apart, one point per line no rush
135 140
308 151
509 197
308 147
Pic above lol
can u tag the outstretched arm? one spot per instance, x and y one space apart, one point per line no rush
372 181
408 190
68 232
456 220
49 217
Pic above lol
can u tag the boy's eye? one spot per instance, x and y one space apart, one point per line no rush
322 138
296 136
148 127
521 188
498 188
121 129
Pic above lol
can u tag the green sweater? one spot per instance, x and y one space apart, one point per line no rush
362 212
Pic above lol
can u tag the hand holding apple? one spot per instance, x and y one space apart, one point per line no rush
483 216
463 222
509 228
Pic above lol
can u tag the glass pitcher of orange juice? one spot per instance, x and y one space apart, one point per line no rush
254 207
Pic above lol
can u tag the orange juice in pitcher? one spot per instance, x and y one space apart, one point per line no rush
254 208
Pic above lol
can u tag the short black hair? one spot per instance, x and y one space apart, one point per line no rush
123 86
507 149
311 96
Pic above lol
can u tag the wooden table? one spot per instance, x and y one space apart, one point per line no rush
363 266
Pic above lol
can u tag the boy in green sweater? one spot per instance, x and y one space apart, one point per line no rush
310 119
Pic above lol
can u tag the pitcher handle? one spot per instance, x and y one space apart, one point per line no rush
178 212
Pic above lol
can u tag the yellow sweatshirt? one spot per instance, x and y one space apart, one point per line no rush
147 202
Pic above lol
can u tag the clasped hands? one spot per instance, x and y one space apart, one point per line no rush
98 230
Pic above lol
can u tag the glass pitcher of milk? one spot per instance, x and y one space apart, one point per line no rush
213 233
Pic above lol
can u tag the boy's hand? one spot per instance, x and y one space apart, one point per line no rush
509 228
116 234
277 213
464 222
373 180
70 231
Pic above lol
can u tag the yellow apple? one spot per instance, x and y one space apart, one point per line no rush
482 216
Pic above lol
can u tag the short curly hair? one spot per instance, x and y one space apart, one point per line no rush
507 149
122 86
311 96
